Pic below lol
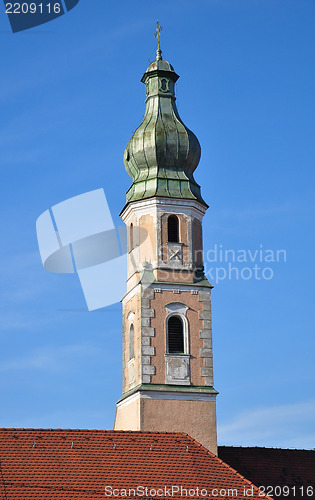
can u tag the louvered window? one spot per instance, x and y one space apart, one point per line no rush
172 229
175 335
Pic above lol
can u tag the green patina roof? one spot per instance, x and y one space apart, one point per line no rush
163 153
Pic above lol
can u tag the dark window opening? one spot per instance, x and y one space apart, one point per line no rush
131 342
175 335
172 227
131 237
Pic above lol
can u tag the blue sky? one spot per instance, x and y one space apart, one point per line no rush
71 98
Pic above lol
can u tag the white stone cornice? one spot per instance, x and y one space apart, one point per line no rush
159 204
186 396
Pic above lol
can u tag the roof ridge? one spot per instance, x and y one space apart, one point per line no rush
107 431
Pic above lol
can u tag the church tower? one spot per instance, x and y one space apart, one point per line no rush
167 339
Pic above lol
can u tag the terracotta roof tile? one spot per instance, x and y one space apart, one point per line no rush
55 464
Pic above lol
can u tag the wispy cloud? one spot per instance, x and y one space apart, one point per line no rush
287 207
26 128
75 418
291 425
28 294
20 277
30 78
20 157
50 358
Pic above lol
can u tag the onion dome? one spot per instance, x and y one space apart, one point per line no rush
163 153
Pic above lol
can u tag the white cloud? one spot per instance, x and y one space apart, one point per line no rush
258 211
30 78
290 425
289 206
22 279
76 418
51 358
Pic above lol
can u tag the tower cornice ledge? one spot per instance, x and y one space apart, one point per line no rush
201 286
164 203
166 391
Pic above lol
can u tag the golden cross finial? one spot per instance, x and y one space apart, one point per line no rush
157 33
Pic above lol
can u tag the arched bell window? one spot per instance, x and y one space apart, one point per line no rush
175 335
173 229
131 342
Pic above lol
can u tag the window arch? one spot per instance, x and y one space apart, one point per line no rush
175 335
131 342
173 229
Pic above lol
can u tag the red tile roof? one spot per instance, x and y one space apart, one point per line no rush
79 464
275 467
